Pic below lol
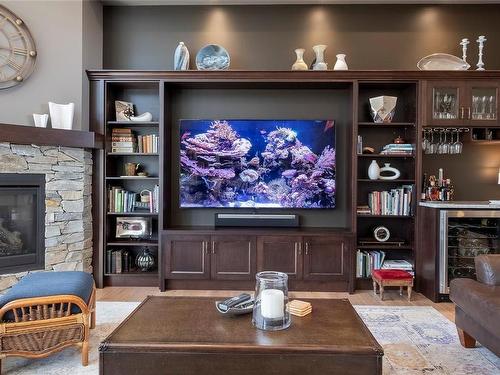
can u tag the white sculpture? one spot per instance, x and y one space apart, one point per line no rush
145 117
40 120
340 64
464 43
61 115
374 170
387 168
181 57
480 63
320 63
299 62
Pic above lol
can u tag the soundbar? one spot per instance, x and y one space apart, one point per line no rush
256 220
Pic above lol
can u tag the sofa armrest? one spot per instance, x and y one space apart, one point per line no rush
488 269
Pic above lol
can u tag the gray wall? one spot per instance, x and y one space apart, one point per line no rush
67 37
264 37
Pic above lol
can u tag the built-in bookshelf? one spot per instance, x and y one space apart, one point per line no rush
387 203
128 196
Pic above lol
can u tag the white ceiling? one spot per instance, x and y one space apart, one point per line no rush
274 2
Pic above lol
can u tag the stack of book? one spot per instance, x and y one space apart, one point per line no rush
394 202
364 210
123 140
367 261
121 200
148 144
398 264
402 149
118 261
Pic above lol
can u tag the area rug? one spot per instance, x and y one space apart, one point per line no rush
416 340
419 340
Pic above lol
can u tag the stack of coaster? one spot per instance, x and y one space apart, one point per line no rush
299 308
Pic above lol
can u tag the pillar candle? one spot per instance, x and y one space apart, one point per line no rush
272 303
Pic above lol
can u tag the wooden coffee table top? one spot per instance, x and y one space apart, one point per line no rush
194 325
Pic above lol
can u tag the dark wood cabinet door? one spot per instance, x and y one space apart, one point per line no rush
280 253
325 258
446 103
186 257
233 257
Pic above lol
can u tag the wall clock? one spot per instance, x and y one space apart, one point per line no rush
17 50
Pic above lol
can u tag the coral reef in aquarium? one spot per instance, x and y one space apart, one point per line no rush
257 163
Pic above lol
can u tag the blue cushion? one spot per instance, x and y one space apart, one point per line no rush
43 284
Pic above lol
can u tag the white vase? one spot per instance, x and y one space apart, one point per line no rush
340 64
373 171
181 57
40 120
145 117
299 63
320 63
387 168
61 115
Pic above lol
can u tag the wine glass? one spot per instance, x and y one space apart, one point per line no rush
445 146
425 141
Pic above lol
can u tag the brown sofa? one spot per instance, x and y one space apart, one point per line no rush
477 305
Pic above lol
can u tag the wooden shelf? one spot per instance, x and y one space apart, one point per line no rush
132 213
27 135
140 178
373 125
131 154
134 123
378 156
385 247
385 216
385 181
152 243
133 274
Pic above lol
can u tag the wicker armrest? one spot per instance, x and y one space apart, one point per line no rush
41 308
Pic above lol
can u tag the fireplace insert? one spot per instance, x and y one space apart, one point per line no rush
22 222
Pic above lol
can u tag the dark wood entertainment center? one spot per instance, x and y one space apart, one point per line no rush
320 255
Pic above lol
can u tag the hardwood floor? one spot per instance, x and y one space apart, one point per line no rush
364 297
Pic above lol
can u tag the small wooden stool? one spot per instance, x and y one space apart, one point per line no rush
392 278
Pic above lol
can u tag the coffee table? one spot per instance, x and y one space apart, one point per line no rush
187 336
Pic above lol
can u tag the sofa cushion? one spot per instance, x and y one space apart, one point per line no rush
43 284
479 301
488 269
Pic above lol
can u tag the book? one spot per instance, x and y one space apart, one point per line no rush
118 261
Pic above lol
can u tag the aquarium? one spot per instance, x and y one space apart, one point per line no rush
257 163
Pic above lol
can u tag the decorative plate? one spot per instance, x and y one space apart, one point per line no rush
442 61
212 57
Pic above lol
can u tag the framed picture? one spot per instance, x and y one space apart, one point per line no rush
133 227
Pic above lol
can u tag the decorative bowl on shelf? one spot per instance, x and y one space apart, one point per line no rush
212 57
442 61
383 108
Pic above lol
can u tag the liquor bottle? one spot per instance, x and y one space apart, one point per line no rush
424 188
451 190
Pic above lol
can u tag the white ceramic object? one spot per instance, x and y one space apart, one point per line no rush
383 108
61 115
387 168
320 63
480 41
373 170
181 57
145 117
442 61
340 64
299 62
40 120
464 44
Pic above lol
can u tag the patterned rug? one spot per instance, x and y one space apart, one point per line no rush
416 340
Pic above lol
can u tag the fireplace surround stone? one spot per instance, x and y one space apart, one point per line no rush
68 219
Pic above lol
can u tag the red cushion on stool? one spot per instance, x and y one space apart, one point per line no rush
391 275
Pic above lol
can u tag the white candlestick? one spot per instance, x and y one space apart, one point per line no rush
480 63
272 303
464 43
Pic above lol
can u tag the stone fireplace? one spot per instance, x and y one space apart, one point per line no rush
66 227
22 222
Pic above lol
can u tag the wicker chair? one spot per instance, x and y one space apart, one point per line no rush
38 327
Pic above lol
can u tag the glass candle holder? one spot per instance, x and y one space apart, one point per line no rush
271 297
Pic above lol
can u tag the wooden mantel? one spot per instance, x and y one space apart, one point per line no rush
20 134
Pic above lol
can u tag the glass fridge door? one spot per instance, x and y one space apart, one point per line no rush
467 234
